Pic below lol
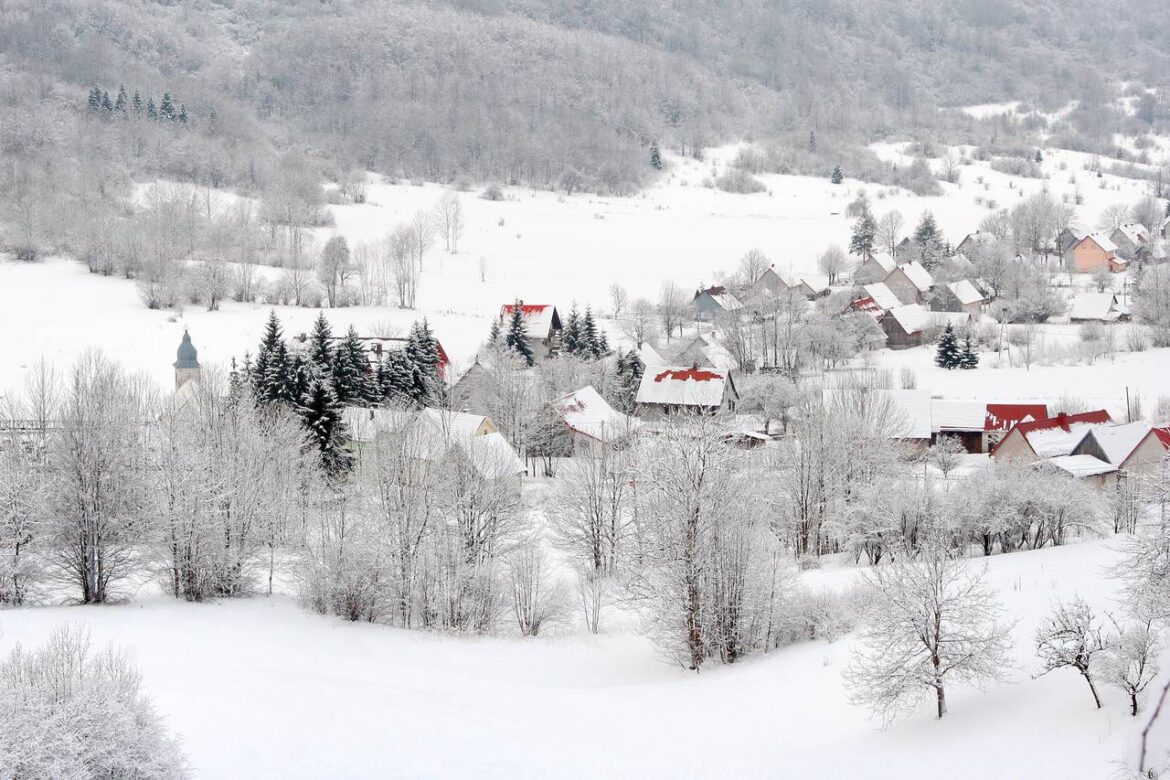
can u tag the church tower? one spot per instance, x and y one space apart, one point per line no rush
187 367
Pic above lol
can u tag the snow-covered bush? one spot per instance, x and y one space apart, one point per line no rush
70 713
738 181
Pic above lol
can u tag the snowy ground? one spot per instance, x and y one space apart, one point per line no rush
262 688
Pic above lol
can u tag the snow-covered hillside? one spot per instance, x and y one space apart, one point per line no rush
264 684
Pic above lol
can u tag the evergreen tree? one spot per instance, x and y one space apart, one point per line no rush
183 113
151 111
629 370
107 106
1039 157
321 346
422 350
517 338
237 383
273 380
864 237
351 371
837 176
322 416
297 378
969 358
120 103
571 341
396 377
494 333
812 141
136 103
166 109
948 355
590 343
655 156
95 98
212 121
929 242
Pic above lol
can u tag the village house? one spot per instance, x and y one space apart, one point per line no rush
704 350
1092 470
769 285
1096 307
1049 438
874 269
1136 447
976 424
910 282
714 301
960 296
1132 241
592 424
542 325
1092 252
905 326
430 435
666 391
973 242
865 304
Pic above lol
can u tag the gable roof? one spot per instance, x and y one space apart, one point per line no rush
704 349
815 283
1094 306
911 318
914 408
648 355
1058 435
690 386
882 295
1135 232
966 292
1100 239
917 274
1003 417
887 264
540 319
948 415
866 304
586 412
1118 442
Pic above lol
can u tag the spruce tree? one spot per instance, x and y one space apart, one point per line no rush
494 333
107 106
274 377
864 237
183 113
1039 157
120 103
322 416
571 341
948 355
396 377
151 111
629 370
321 346
655 156
812 141
969 358
517 338
422 351
590 347
136 103
351 370
166 109
95 98
837 176
928 241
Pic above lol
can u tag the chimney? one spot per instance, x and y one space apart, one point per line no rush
694 365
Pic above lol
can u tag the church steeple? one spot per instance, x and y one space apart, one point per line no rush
187 368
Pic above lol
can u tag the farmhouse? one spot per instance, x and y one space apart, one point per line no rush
1092 252
666 391
713 301
882 295
971 244
910 282
874 269
1132 240
1095 307
704 350
592 423
904 326
1129 447
1048 438
960 296
542 325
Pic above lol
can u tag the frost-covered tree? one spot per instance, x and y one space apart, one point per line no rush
1130 660
516 338
832 263
946 454
334 269
889 231
67 711
448 218
322 417
928 242
948 355
863 240
932 623
672 306
1071 637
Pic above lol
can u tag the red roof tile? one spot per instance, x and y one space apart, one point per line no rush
1001 417
688 374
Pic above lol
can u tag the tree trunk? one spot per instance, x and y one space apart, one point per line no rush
1092 687
941 696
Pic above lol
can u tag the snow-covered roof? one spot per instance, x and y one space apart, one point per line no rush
1002 417
918 275
912 317
1118 442
1102 240
1135 231
887 264
708 352
965 291
957 415
539 318
492 456
882 295
587 412
649 356
682 386
914 410
815 283
1060 435
1094 306
1081 466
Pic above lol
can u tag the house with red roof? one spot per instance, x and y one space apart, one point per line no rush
542 324
1048 438
672 390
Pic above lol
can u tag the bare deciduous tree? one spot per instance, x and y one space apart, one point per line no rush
1070 638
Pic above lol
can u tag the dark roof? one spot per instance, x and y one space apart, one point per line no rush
188 356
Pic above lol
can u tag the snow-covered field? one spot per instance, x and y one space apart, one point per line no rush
262 688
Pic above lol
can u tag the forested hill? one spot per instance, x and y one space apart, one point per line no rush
534 90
